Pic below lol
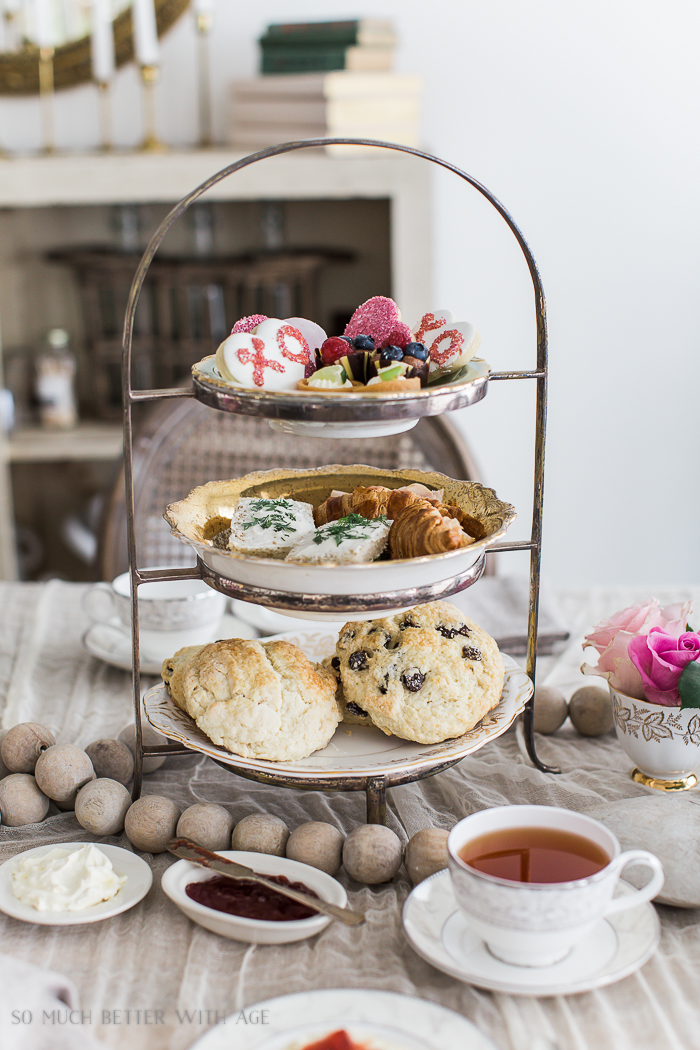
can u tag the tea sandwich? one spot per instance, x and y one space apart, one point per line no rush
347 540
269 528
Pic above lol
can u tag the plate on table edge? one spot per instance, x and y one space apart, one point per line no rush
352 746
335 414
187 519
365 1013
124 862
632 939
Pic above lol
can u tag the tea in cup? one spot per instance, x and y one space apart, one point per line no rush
172 613
533 881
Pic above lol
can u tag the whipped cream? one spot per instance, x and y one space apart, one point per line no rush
66 879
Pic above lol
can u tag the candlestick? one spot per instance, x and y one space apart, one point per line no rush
46 95
149 78
143 15
104 96
102 41
204 22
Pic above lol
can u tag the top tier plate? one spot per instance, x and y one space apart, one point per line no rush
342 415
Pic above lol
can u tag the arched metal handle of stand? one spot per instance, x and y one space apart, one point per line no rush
131 397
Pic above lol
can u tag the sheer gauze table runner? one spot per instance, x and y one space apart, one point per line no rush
153 958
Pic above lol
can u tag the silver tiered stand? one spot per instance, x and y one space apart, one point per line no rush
319 409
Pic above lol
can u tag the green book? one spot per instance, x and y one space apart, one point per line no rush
364 31
324 59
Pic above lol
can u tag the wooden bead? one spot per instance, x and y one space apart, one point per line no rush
318 844
101 806
426 853
206 824
550 709
372 854
150 823
590 710
260 833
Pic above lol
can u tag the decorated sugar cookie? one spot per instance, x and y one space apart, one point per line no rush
450 343
378 317
273 356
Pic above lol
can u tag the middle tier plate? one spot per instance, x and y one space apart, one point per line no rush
356 753
334 589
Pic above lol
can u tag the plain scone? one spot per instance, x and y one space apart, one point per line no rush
257 699
427 675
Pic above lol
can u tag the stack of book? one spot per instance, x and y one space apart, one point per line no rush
343 104
318 47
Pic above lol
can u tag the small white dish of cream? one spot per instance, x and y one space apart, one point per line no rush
72 883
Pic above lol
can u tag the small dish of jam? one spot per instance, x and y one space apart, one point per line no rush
245 910
251 899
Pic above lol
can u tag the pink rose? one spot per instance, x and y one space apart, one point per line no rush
660 658
612 637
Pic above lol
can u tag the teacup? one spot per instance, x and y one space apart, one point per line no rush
172 613
538 923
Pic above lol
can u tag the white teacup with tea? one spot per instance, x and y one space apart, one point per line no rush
172 613
533 881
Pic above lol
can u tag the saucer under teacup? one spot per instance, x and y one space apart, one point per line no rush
439 932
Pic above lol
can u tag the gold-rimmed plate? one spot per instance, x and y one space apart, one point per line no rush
356 753
379 585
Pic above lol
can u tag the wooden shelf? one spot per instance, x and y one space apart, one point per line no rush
89 440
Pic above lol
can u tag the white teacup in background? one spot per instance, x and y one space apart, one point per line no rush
172 613
538 924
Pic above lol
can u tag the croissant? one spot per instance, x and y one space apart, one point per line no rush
472 526
421 529
374 501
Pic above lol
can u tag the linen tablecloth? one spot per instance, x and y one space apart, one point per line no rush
154 978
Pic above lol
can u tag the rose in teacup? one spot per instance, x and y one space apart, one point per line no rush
661 659
611 639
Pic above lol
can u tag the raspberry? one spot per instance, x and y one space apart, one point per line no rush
333 349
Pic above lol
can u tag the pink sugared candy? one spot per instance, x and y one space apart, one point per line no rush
378 317
451 343
248 324
333 349
273 357
401 336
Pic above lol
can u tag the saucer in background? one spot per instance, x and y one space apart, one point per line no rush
111 642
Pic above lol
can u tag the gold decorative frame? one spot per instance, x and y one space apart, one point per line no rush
19 70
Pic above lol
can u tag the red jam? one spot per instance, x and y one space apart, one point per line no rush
336 1041
251 899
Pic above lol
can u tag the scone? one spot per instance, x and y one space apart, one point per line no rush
350 714
427 675
257 699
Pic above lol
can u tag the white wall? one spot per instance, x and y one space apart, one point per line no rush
582 119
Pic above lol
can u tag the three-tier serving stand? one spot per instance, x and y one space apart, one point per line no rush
279 407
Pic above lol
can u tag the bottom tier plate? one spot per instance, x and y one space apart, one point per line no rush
356 754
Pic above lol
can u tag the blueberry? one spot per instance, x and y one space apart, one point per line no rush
357 661
363 342
347 338
413 679
450 632
417 350
408 622
355 709
335 663
391 353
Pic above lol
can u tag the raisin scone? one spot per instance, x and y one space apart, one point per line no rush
350 713
427 675
257 699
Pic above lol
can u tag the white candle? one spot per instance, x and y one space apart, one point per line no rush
143 16
102 41
43 29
